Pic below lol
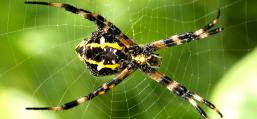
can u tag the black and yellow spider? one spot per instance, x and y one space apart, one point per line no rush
109 51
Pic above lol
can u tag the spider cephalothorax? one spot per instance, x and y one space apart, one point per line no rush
109 51
144 56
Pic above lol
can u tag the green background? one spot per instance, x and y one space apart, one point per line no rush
40 68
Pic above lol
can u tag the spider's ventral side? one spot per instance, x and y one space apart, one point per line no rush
109 51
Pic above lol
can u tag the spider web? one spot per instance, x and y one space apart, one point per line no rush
38 54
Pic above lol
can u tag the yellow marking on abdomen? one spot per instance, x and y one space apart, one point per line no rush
103 45
101 64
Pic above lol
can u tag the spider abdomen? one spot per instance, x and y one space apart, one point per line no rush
102 54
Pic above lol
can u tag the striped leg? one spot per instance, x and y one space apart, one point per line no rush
100 90
99 20
181 91
188 36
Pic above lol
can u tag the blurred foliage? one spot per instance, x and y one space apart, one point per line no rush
39 66
238 89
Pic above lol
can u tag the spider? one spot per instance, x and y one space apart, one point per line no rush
109 51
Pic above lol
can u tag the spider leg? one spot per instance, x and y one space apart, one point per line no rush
188 36
181 91
99 91
99 20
